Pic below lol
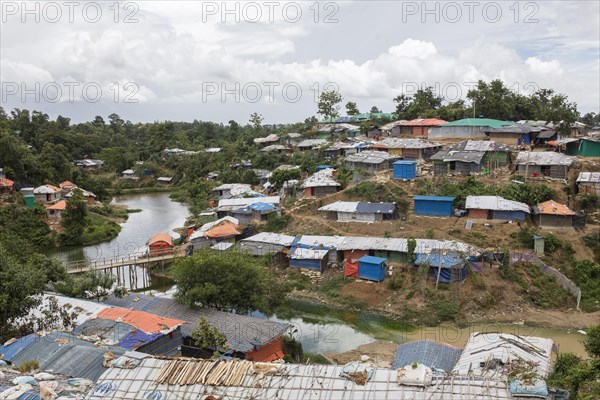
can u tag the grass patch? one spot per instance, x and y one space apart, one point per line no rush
133 210
99 229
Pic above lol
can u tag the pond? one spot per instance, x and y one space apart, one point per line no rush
324 330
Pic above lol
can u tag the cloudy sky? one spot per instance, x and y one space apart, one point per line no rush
217 61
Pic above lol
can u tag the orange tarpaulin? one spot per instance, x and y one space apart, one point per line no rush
222 230
146 322
350 268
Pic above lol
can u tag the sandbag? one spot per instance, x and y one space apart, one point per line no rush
44 376
415 375
24 380
15 392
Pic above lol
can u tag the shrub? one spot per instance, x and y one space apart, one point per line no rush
28 366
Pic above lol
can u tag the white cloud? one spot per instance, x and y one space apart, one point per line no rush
538 66
412 48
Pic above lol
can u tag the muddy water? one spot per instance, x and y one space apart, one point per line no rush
159 214
323 330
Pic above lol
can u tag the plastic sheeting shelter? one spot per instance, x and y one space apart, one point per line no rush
405 169
371 268
437 206
452 269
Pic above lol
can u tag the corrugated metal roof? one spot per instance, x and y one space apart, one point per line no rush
85 309
544 158
457 155
492 123
46 189
320 241
484 145
483 347
246 201
275 147
292 381
67 354
427 352
588 177
222 246
321 178
495 203
271 238
105 329
375 208
301 253
340 206
407 143
10 351
271 138
312 143
242 332
371 157
434 198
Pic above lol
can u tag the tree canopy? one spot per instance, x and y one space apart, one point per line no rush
226 281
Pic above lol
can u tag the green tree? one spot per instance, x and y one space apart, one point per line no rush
592 341
21 282
256 121
282 175
328 105
375 110
493 100
90 285
412 246
73 220
226 281
351 108
209 337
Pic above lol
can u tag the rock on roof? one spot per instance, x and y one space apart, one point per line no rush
427 352
482 347
544 158
247 380
406 143
359 207
552 207
588 177
371 157
320 179
495 203
271 238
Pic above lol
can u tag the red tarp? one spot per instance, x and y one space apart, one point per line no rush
350 268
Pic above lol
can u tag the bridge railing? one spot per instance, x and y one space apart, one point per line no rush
117 261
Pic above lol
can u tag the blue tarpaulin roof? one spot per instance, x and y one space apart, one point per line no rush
261 206
405 162
371 260
428 353
433 260
137 338
435 198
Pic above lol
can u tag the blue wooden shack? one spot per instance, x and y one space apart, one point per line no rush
405 169
437 206
371 268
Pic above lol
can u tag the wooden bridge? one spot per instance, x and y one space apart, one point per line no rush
134 259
